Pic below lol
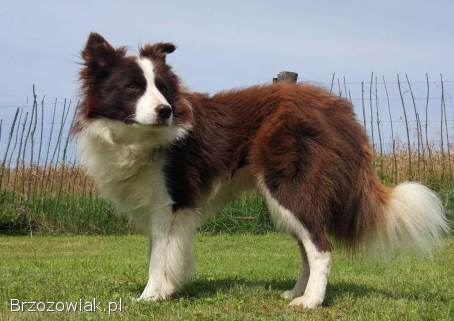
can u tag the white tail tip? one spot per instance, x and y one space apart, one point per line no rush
414 218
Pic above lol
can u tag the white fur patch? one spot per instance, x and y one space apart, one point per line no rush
171 257
146 105
414 219
319 262
120 159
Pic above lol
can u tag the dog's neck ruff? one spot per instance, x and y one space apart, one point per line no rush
126 163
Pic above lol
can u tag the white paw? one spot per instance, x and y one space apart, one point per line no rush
306 302
156 293
153 297
288 295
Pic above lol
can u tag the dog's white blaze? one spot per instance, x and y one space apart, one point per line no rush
151 98
319 262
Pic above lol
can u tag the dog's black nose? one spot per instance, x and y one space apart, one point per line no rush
164 111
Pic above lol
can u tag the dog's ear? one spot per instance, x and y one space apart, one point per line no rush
98 53
157 51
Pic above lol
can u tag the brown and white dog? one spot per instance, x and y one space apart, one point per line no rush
170 158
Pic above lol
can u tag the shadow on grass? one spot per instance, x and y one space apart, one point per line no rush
203 288
338 290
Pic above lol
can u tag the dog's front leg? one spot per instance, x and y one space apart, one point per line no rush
171 259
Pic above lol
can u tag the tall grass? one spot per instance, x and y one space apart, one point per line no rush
43 189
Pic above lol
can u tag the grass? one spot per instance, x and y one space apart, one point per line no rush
239 277
94 215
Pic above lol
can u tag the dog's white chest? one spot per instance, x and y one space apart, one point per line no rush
128 175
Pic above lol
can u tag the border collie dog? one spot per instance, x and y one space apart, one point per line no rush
169 158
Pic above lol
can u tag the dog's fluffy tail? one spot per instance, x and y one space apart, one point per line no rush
410 216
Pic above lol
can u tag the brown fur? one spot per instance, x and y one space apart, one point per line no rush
306 143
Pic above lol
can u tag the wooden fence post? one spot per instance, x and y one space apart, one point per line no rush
286 76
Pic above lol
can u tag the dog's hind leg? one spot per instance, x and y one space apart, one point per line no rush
319 263
171 257
303 277
317 252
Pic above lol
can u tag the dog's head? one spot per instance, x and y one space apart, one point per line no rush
137 91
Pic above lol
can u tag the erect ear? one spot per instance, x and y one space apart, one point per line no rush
98 53
157 51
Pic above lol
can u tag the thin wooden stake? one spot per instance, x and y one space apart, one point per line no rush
392 133
332 83
418 128
410 172
371 112
443 104
5 156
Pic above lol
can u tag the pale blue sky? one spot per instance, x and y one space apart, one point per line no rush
234 44
229 44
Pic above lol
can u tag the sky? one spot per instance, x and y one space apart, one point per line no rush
228 44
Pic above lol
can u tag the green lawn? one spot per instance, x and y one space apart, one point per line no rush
239 277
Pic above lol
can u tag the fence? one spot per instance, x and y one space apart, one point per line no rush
43 188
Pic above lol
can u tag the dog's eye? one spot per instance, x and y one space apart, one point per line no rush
133 86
